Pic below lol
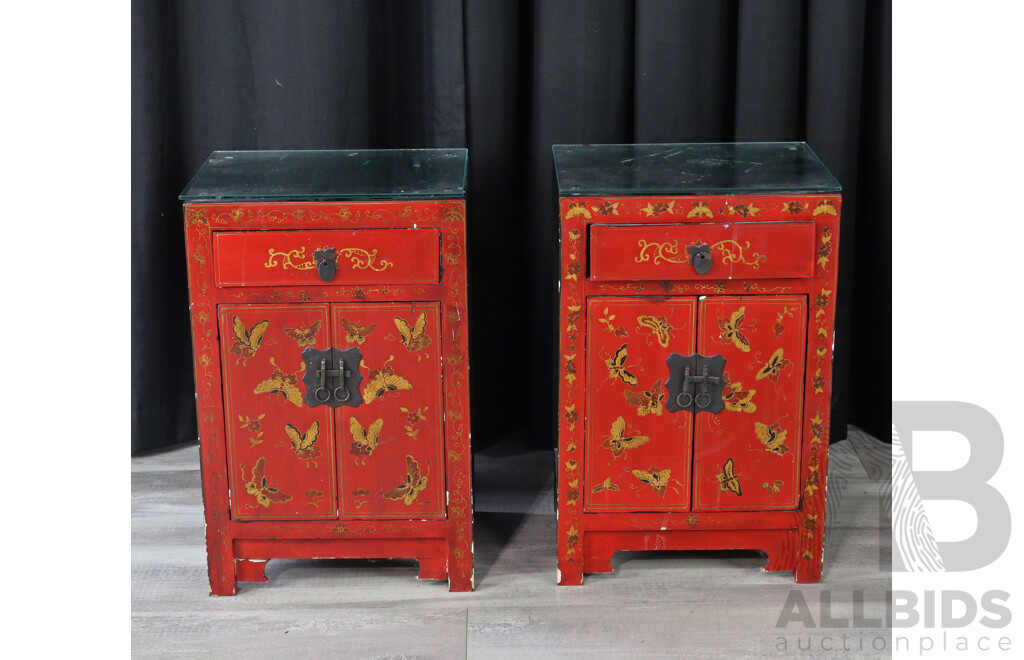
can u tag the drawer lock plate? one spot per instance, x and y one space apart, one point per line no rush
695 383
326 263
332 377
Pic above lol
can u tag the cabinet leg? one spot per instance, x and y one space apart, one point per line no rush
570 573
222 575
433 568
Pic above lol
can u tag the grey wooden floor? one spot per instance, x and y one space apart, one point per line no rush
672 604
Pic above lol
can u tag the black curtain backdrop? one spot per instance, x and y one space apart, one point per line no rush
507 80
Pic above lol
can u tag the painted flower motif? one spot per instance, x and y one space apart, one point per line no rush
778 328
360 492
573 316
251 425
719 286
572 497
575 268
821 300
575 234
313 494
607 208
573 537
359 294
825 250
577 208
571 415
793 207
692 520
818 382
742 209
570 366
811 523
659 208
304 296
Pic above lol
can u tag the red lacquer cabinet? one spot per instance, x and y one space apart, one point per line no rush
697 298
328 305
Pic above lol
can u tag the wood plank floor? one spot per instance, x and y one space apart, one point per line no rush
670 604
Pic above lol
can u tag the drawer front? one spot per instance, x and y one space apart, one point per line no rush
364 256
736 250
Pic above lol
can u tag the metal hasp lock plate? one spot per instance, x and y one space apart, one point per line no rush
700 258
332 377
695 383
326 263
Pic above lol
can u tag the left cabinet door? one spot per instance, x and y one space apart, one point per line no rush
281 453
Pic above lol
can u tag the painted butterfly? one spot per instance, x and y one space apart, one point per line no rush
305 337
355 333
655 478
413 486
283 384
648 402
413 337
619 443
771 369
731 331
364 440
247 342
659 325
304 444
736 398
617 369
383 382
772 437
258 487
605 485
727 480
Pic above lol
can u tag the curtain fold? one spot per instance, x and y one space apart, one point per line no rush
507 79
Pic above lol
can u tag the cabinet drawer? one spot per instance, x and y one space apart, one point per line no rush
364 256
659 252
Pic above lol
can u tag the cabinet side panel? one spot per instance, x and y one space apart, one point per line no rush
391 447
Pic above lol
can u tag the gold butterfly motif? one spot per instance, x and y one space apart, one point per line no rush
659 325
771 369
731 331
247 341
772 437
355 333
736 398
306 337
364 440
655 478
304 444
617 369
605 485
413 486
647 402
383 382
728 481
618 442
281 383
413 336
260 489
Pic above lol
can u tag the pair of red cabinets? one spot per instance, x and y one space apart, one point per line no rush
329 321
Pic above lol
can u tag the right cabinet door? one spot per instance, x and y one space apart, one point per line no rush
748 456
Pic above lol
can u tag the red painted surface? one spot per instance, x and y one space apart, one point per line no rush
738 249
798 295
306 507
364 256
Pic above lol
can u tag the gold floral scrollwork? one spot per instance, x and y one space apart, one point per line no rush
292 259
732 252
362 259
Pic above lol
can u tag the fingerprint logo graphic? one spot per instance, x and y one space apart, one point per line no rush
911 532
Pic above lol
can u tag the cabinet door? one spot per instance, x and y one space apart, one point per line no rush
748 456
391 447
637 456
280 452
